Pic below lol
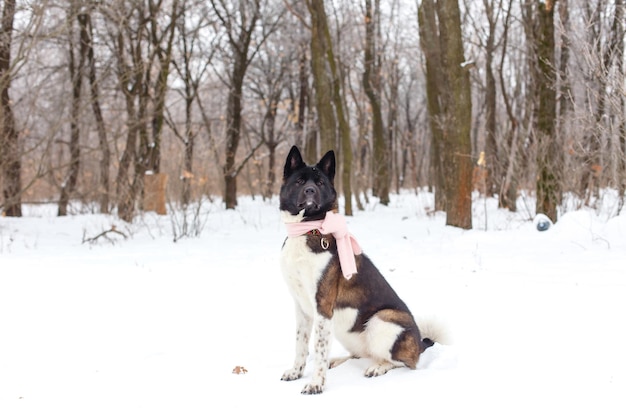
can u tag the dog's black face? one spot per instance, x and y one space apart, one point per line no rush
308 187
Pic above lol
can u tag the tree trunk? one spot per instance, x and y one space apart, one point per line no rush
619 33
507 197
381 160
268 136
10 147
188 149
565 95
241 28
492 165
592 145
76 75
105 158
143 151
344 127
449 105
430 44
142 51
391 132
549 157
328 98
164 58
132 84
233 135
303 127
458 147
271 166
322 83
125 195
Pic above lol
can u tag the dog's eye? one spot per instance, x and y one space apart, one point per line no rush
300 181
319 183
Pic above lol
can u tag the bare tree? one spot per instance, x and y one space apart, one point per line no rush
240 24
269 82
432 48
94 89
595 133
162 40
493 180
305 126
604 56
322 81
191 69
381 158
10 151
329 99
548 98
345 141
142 48
77 73
129 38
508 154
618 33
451 106
539 18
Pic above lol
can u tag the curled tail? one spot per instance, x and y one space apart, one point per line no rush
433 330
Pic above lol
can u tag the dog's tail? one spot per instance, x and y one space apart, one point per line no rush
434 330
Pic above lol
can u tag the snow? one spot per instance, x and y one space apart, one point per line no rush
145 326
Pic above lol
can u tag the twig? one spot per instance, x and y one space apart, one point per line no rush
113 229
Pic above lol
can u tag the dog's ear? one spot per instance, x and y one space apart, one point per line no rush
327 165
294 161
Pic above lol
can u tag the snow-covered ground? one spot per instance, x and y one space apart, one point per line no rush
145 326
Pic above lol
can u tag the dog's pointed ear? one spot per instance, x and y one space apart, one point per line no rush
294 162
327 165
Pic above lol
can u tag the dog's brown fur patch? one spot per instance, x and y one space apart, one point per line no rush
328 289
407 349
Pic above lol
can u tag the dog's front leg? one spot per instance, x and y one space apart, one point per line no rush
304 324
321 336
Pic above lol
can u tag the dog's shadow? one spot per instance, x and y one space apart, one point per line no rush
437 357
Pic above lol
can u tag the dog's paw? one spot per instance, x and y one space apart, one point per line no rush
379 369
292 375
312 389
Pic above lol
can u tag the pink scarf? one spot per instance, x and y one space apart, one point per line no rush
334 223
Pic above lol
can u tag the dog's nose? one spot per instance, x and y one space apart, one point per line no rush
309 190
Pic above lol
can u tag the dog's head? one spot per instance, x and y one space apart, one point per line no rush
308 187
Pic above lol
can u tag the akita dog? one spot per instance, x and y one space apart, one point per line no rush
337 290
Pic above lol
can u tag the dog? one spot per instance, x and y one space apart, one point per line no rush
361 311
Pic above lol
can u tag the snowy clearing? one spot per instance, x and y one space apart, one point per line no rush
145 326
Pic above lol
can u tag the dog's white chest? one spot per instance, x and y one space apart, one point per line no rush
302 270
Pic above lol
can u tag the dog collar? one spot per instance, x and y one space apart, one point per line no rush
324 243
335 224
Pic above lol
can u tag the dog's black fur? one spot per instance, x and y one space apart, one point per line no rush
308 187
364 313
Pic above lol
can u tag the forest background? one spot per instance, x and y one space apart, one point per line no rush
106 104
